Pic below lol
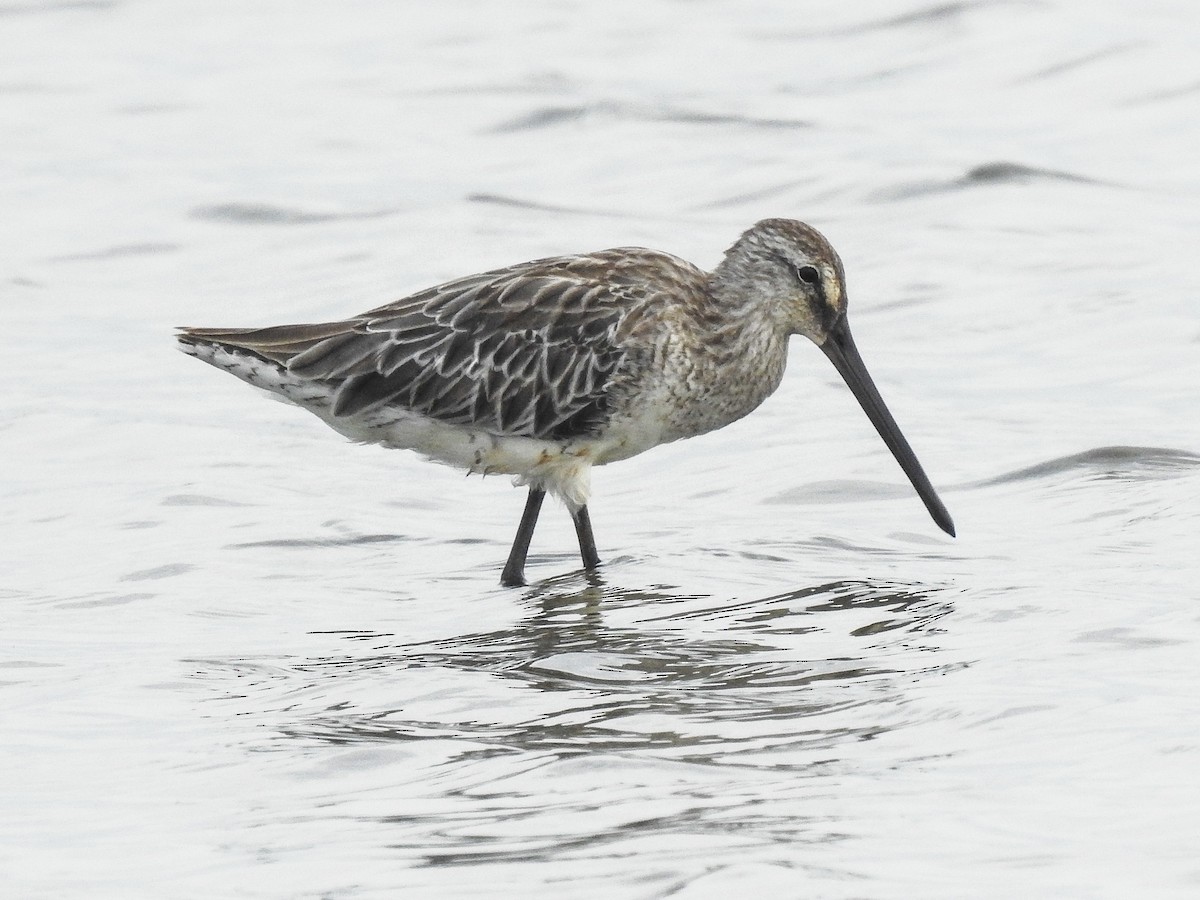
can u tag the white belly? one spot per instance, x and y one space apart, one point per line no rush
561 467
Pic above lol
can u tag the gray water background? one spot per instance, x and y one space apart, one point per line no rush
244 658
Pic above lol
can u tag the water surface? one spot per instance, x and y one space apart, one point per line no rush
245 658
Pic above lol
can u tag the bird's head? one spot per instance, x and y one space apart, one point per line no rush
788 270
793 272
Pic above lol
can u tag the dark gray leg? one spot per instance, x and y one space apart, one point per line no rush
587 543
514 570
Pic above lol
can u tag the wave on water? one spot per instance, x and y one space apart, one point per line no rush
535 206
1127 463
551 116
1006 172
1118 463
309 543
984 175
237 213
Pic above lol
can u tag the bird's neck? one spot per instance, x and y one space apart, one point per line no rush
743 321
735 360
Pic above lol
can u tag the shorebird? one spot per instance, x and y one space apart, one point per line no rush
544 369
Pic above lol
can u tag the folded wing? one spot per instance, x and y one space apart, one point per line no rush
529 350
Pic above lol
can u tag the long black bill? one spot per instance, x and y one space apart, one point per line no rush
840 349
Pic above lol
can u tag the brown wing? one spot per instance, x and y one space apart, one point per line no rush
530 350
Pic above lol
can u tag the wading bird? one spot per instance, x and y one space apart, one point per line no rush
544 369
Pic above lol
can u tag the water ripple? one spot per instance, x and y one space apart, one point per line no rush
269 214
535 206
551 116
17 9
982 175
309 543
1120 463
920 17
118 251
1081 61
1007 172
673 678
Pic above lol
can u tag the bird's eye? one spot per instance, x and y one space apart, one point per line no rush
808 274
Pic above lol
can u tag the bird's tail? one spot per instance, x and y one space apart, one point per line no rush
277 344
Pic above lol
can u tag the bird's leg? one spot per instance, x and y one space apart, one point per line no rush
587 543
514 570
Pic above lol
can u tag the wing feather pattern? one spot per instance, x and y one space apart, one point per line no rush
530 350
524 351
527 351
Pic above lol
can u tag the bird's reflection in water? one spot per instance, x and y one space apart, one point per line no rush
655 667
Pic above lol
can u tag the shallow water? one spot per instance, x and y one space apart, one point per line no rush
244 658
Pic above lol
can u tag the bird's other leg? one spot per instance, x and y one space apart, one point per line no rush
514 570
587 543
